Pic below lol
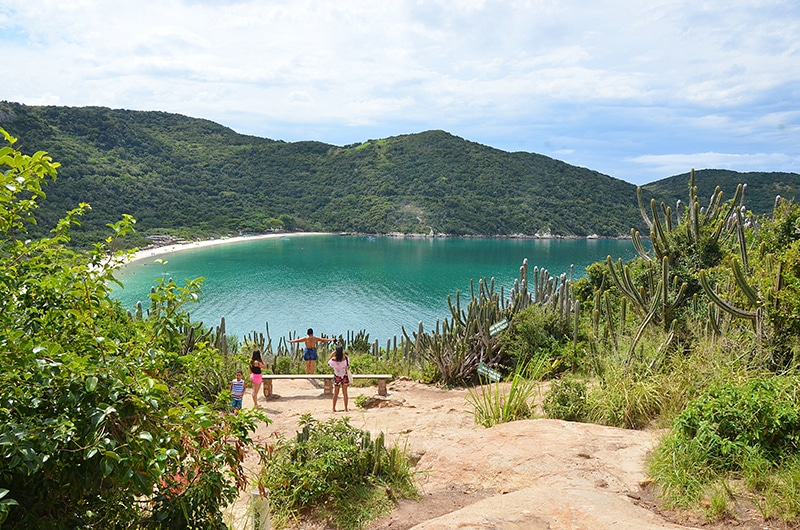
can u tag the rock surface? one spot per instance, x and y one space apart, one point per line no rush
529 474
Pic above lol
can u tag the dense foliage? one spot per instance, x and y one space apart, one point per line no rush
94 430
762 187
192 177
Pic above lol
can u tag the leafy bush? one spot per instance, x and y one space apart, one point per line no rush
284 364
566 400
335 471
760 416
361 401
750 428
94 433
535 333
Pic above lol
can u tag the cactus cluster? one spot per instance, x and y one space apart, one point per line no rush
458 344
661 290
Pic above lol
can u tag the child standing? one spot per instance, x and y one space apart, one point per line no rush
237 392
341 378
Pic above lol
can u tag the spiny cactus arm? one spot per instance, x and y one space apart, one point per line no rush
714 202
741 237
624 282
741 281
576 311
658 231
713 318
455 310
642 210
610 321
651 313
637 244
666 211
724 304
738 197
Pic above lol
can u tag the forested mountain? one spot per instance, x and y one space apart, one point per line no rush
193 177
759 197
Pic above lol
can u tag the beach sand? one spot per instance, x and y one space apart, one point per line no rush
157 252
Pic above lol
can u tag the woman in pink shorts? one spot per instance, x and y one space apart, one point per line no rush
256 364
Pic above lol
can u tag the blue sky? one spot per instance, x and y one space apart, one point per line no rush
639 90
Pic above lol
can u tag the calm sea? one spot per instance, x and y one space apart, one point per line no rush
338 283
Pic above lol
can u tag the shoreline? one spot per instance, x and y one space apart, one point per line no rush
157 251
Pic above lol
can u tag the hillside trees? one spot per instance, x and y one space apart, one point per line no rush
92 431
194 178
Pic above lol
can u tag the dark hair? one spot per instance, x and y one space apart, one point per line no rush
310 331
339 353
256 356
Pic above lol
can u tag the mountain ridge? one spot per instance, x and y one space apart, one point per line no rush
194 177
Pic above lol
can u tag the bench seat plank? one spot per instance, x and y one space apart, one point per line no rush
328 381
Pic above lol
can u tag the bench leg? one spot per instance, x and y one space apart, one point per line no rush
328 388
267 387
382 387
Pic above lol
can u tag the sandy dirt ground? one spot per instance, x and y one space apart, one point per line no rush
531 474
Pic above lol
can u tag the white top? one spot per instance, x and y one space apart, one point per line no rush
339 367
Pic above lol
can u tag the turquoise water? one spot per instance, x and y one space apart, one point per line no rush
338 283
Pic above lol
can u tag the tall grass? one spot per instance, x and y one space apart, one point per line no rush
503 402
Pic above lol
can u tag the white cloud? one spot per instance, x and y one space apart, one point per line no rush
609 83
674 164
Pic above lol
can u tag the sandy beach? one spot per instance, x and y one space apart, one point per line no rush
158 251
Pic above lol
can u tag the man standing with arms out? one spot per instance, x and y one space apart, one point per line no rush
310 351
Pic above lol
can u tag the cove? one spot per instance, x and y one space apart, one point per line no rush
335 283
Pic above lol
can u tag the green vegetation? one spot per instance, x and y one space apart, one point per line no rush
700 332
96 427
566 400
102 424
762 188
493 404
735 432
335 471
193 178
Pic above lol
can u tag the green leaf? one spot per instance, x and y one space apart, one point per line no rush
91 384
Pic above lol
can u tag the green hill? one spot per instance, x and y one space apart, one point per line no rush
759 197
193 177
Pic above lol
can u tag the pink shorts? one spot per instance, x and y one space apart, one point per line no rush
255 378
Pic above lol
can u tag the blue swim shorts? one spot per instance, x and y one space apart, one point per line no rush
310 354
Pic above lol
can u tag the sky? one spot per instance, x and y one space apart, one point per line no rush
636 89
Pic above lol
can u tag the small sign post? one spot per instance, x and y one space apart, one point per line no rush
488 373
497 327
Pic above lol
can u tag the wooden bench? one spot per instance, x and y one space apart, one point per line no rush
327 380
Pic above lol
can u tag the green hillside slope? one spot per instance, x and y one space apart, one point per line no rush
762 188
193 177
